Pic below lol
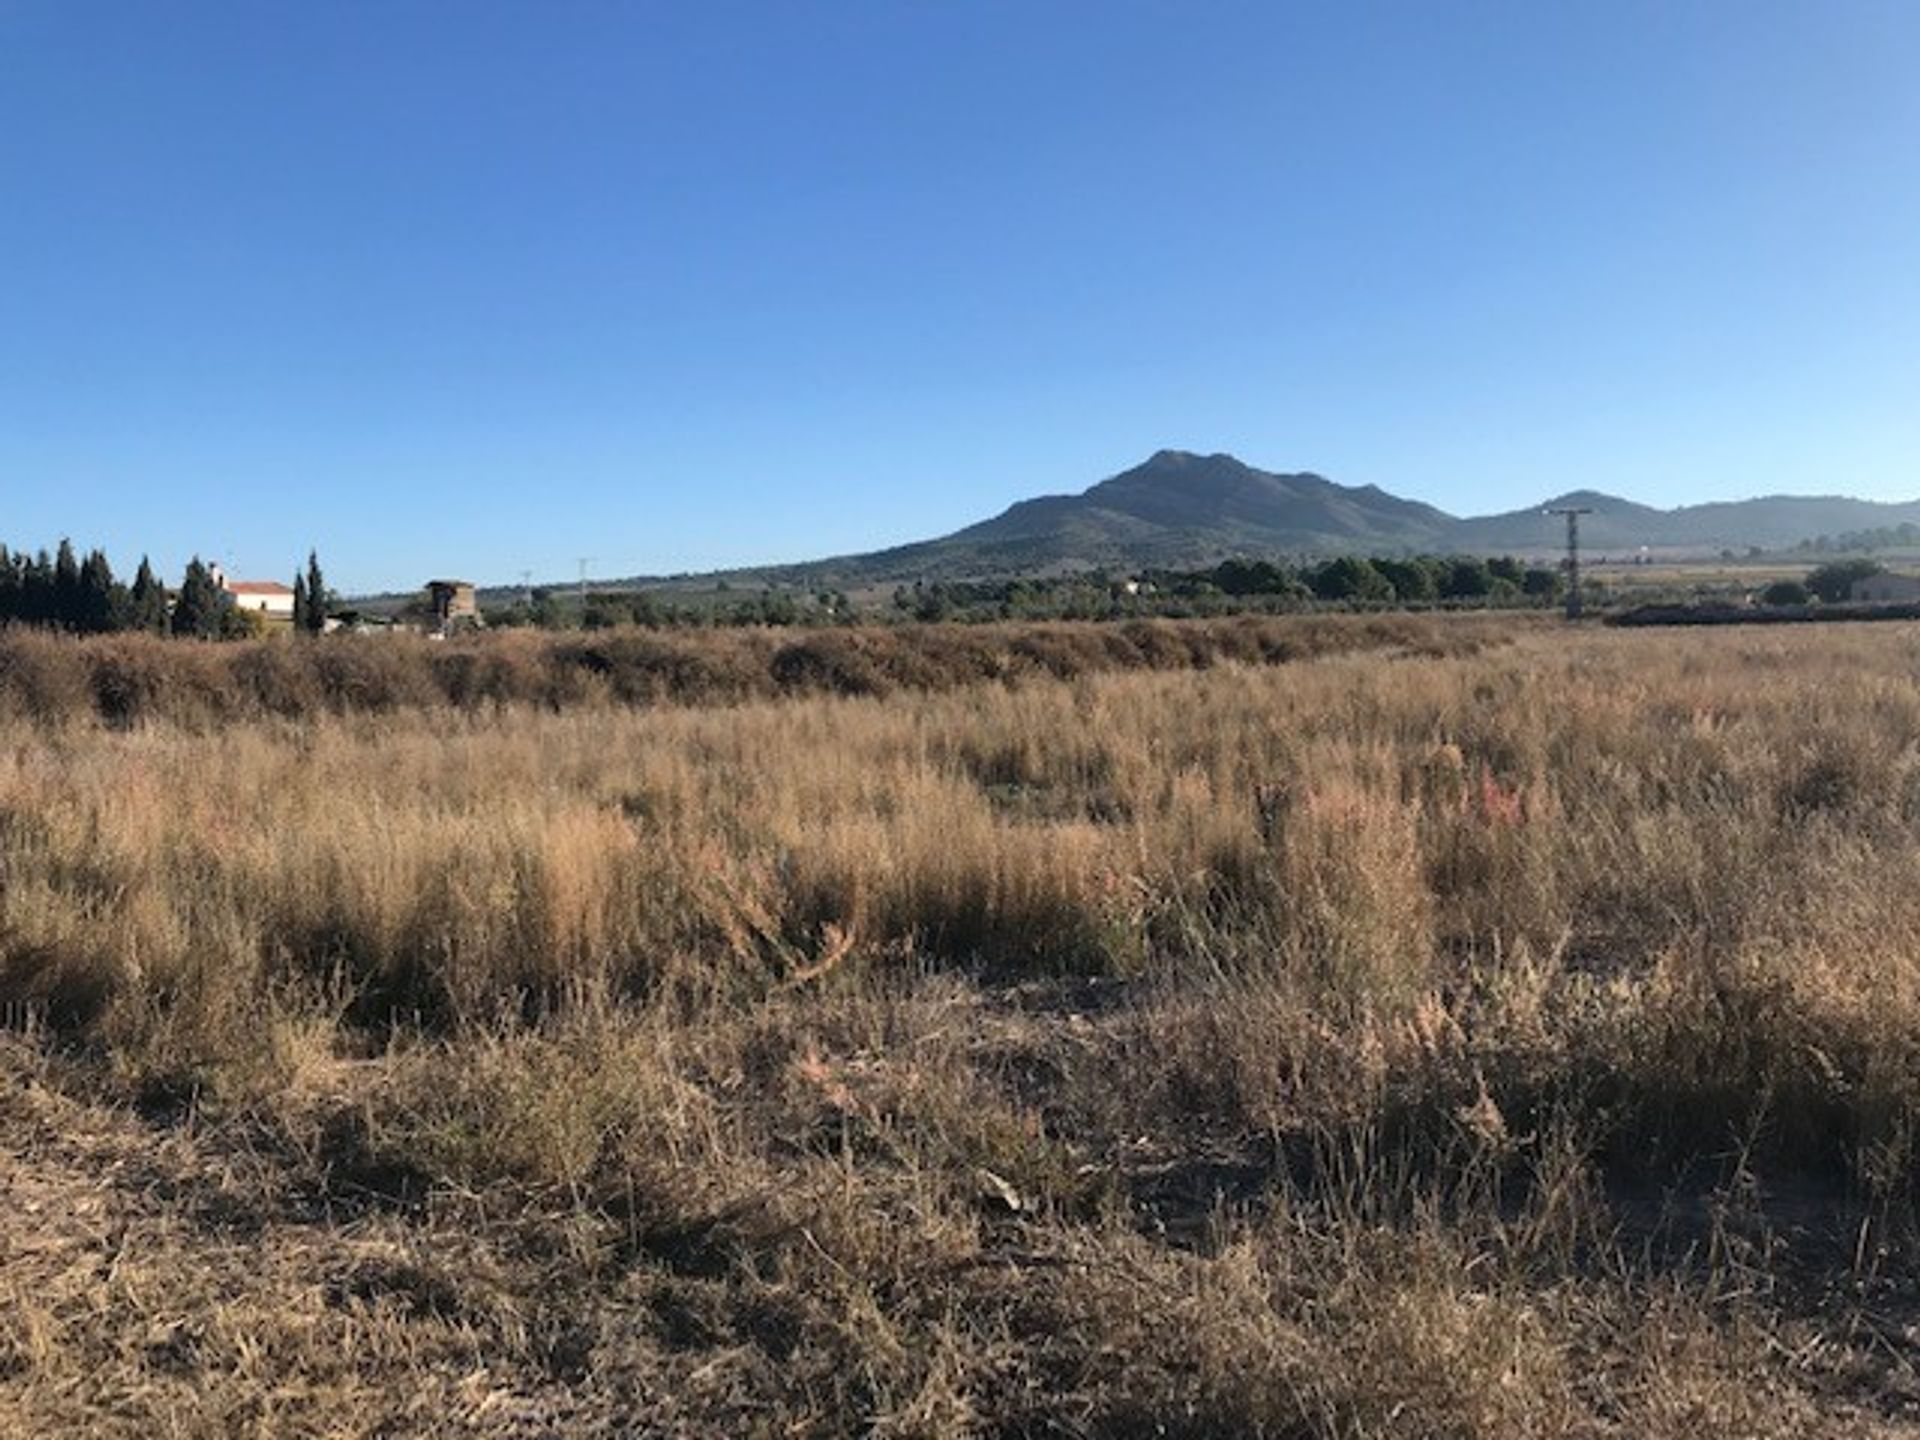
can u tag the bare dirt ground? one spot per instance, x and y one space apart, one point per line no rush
164 1276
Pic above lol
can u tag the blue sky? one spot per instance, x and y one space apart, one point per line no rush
478 287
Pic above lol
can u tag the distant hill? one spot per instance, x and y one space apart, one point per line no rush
1772 522
1181 509
1182 501
1175 509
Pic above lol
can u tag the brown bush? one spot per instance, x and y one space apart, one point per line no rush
45 678
127 679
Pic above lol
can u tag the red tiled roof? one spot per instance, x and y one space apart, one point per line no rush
258 587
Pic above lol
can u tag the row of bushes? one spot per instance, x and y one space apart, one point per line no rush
123 680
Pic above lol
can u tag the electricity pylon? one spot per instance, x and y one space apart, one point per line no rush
1573 514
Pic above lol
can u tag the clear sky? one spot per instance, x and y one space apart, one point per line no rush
481 287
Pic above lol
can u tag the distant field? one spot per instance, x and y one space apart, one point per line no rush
1722 575
1465 1028
1694 574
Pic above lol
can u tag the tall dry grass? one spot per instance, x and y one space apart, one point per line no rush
1520 1042
1690 870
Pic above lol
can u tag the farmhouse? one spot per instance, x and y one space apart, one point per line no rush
1886 589
269 599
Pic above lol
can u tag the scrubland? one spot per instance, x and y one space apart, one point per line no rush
1459 1030
128 680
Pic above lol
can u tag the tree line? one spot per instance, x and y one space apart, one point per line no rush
1347 580
1234 586
82 596
1407 580
1904 536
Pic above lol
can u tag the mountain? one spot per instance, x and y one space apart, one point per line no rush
1175 509
1177 499
1181 509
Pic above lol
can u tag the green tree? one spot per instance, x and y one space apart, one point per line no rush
606 611
299 604
1413 581
100 601
1543 584
200 612
316 612
240 624
1785 592
1349 578
1250 577
37 591
147 601
66 588
1466 579
548 613
931 602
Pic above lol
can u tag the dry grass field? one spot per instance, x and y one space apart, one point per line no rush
1466 1029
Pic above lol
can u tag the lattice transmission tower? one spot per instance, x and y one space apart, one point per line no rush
1573 514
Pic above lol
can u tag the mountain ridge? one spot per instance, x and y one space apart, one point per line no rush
1181 508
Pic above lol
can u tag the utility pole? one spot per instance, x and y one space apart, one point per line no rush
526 588
585 560
1573 514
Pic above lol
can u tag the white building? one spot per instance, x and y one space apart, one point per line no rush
269 599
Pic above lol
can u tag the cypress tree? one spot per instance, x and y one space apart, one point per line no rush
299 604
95 611
200 610
36 590
316 595
67 609
147 602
